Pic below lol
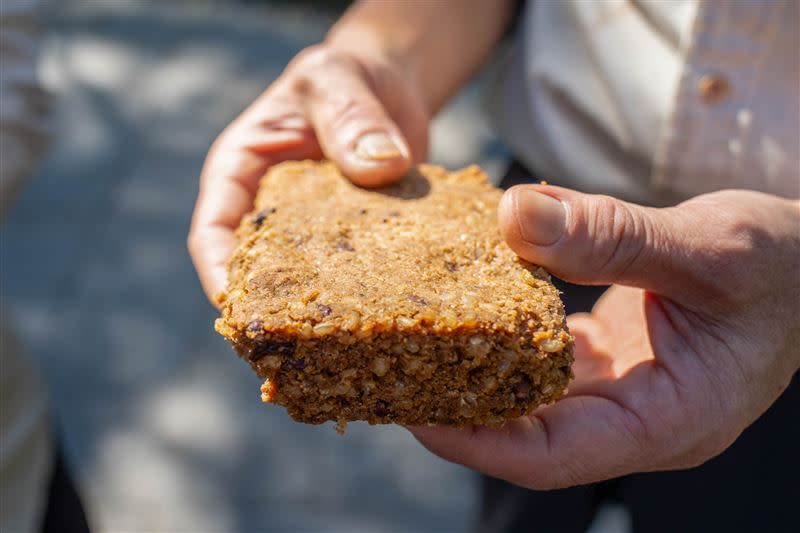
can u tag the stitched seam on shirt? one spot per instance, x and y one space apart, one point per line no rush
667 147
687 113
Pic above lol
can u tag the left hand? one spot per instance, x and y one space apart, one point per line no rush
698 337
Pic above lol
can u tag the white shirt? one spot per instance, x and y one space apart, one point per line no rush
655 101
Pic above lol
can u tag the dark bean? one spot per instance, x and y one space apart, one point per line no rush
381 408
417 299
262 215
522 390
362 211
256 327
324 309
295 364
449 265
271 347
344 245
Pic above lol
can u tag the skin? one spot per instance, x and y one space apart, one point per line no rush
699 334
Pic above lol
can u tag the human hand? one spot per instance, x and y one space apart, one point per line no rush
698 337
357 108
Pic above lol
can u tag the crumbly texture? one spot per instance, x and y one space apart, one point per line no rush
401 304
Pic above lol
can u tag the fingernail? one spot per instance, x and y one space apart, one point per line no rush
542 219
377 146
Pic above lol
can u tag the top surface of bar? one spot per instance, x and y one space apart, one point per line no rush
319 255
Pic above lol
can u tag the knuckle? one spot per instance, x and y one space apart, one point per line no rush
314 56
351 110
224 141
312 69
619 236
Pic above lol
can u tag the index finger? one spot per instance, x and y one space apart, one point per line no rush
228 184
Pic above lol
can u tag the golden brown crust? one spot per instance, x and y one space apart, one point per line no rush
395 305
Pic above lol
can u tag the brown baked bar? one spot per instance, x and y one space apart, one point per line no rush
395 305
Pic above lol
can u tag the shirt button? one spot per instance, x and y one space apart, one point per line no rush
713 88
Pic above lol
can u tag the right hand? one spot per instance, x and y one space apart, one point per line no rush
358 108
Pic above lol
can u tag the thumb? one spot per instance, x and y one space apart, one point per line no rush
354 129
593 239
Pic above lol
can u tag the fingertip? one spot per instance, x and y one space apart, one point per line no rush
217 281
507 219
376 159
210 247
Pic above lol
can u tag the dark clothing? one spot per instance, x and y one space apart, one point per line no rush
64 512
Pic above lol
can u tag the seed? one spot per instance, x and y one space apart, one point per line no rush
296 310
450 266
341 389
305 331
411 365
323 329
551 345
405 322
310 296
478 346
351 321
412 345
345 246
380 366
449 317
468 300
324 309
469 319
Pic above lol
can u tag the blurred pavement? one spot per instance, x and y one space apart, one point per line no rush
162 424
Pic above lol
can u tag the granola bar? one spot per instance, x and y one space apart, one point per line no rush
396 305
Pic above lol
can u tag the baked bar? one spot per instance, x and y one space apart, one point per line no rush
401 304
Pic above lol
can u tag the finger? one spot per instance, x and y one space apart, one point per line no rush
227 188
580 439
353 127
593 239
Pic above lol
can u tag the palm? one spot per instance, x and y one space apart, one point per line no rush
624 401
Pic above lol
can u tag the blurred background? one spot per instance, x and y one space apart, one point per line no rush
161 424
